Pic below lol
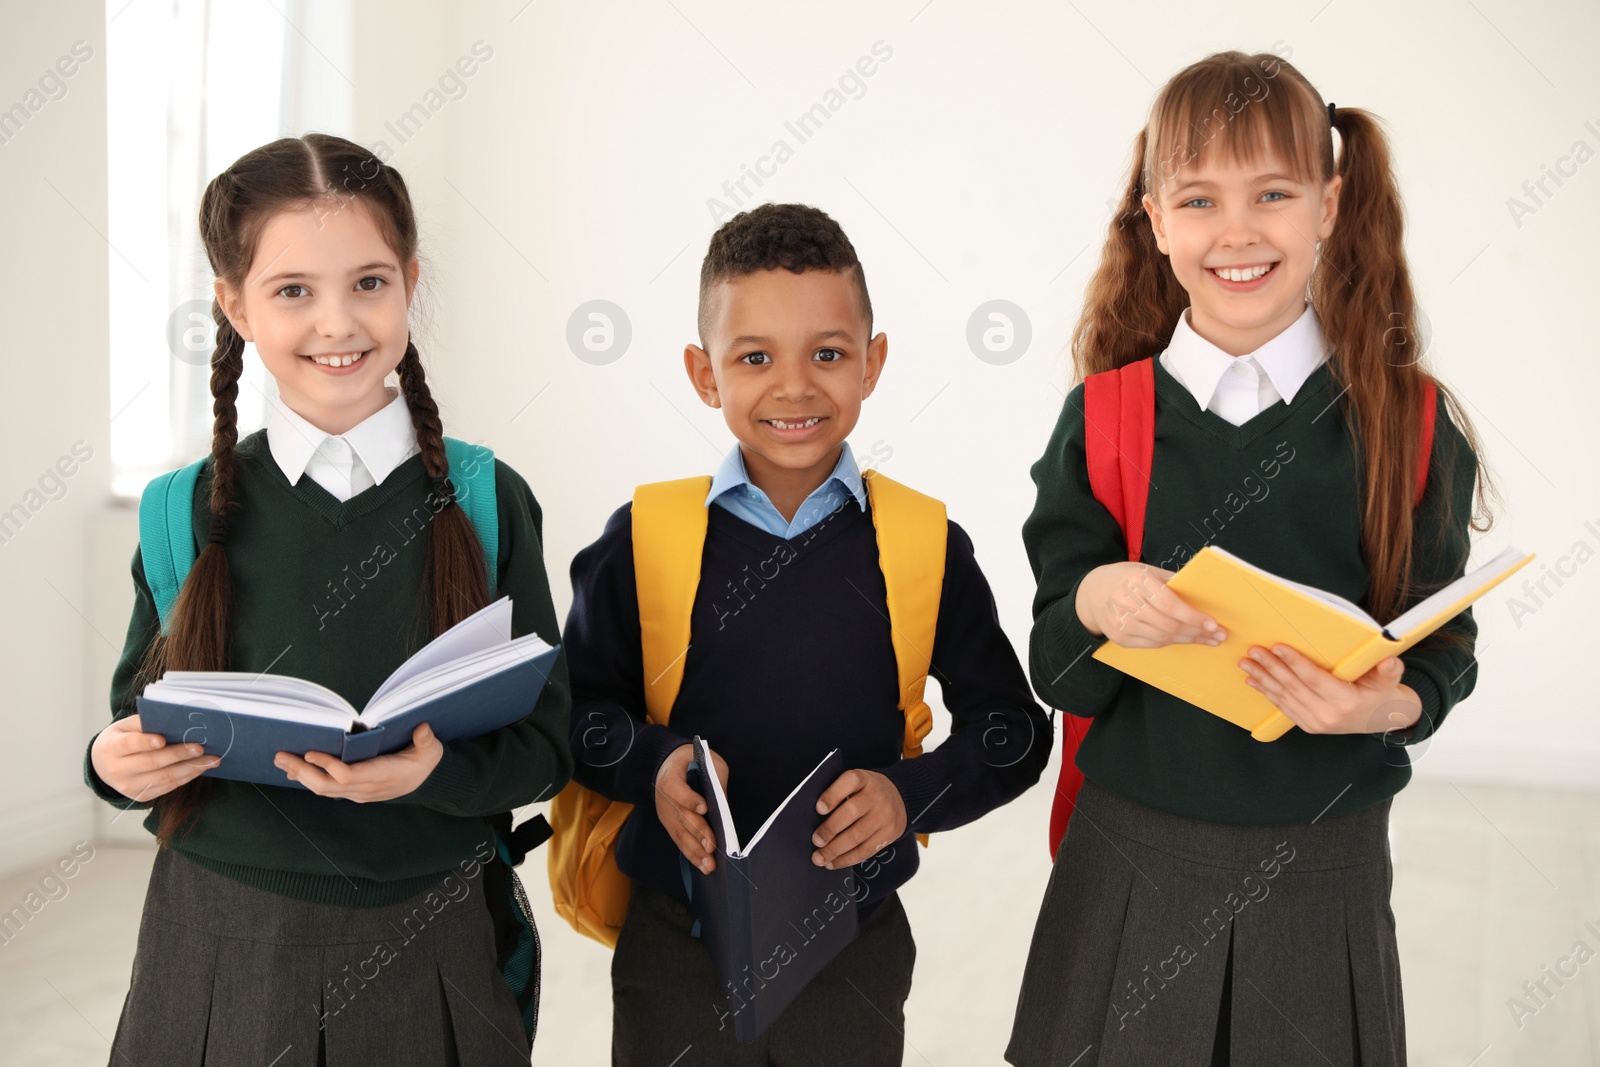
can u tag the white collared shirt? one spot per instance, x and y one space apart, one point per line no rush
1239 388
344 464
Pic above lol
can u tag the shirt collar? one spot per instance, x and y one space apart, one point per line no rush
732 475
1287 360
382 441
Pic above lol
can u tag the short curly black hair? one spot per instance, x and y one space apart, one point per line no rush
796 237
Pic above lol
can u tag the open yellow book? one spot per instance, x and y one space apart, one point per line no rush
1256 607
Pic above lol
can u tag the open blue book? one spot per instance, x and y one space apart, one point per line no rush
771 919
471 679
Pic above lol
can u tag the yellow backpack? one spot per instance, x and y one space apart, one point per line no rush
669 532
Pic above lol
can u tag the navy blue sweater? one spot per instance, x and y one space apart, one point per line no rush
790 657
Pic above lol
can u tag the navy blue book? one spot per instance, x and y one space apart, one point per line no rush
771 919
471 679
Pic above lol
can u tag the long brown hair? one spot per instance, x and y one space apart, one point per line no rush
1243 105
321 172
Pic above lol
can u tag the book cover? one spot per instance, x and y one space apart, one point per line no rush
1258 608
771 919
470 680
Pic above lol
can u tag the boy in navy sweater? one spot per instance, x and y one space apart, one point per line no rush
790 657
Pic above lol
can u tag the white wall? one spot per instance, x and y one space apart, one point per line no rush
54 280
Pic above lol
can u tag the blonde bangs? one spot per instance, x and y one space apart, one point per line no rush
1238 108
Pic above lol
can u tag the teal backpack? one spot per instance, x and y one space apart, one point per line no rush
167 545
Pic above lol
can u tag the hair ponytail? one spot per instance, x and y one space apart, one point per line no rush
1133 301
1361 289
455 571
197 638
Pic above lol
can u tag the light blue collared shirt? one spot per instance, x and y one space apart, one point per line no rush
732 489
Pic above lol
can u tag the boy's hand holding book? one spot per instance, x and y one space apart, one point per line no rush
682 809
867 813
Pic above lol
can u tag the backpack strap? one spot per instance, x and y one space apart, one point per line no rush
1119 440
472 474
669 536
1119 409
166 535
1430 409
912 533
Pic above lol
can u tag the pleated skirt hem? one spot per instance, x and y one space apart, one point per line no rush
227 974
1155 926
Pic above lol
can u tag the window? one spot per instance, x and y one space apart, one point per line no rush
191 86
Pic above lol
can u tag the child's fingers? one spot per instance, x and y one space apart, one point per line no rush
846 785
681 795
161 758
308 775
844 816
1193 621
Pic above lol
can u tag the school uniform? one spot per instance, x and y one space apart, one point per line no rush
1216 899
790 657
315 929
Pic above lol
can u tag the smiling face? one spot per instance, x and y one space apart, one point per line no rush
325 303
789 360
1241 236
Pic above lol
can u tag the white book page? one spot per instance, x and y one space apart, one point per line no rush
273 688
1508 558
730 836
450 676
235 703
1334 601
481 630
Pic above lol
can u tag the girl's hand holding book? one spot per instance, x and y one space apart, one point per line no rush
378 778
1319 703
144 766
1130 604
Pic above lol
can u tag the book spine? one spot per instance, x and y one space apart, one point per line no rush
1273 728
741 915
1367 655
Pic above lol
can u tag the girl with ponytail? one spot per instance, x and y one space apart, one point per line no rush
346 922
1216 899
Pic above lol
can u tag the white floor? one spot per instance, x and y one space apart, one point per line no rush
1492 886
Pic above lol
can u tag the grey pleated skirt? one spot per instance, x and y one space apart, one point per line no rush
227 974
1164 940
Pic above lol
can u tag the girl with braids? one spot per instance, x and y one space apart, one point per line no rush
346 922
1216 899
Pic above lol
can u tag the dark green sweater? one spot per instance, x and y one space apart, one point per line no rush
333 592
1283 492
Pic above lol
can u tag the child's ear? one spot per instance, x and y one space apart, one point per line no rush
1158 222
877 355
412 272
233 308
1330 207
697 364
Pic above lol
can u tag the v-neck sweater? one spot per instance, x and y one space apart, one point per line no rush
335 593
790 656
1283 491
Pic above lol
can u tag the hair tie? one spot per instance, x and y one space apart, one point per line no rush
445 489
1331 106
219 530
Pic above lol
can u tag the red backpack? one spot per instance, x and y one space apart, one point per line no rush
1119 410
